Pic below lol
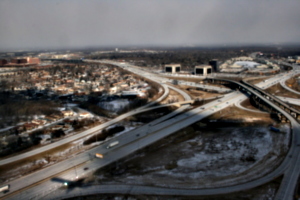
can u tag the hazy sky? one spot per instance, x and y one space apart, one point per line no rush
81 23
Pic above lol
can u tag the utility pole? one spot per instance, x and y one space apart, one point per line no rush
76 171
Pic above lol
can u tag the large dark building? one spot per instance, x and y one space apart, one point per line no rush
3 62
215 65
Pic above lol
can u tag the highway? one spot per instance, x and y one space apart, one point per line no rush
31 179
147 135
129 143
188 118
290 178
17 184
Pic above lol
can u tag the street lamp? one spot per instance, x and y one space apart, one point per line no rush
75 171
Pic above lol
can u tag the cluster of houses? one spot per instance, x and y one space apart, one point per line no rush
75 81
42 121
80 80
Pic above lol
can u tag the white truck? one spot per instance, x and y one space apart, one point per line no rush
112 144
4 188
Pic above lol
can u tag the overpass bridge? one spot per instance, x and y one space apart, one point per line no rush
294 112
262 104
289 167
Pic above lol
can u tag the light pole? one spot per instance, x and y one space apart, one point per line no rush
75 171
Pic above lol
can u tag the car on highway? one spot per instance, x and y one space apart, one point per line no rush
112 144
99 155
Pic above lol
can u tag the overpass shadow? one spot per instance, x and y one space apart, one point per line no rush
69 184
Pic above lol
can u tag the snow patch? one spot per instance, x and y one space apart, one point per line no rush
114 106
247 64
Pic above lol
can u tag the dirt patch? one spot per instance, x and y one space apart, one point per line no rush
258 80
196 93
232 114
173 97
293 84
247 104
280 91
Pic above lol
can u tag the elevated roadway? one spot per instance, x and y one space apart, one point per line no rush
291 178
188 118
294 112
130 142
292 161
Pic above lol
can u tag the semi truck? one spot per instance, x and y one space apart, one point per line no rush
4 188
112 144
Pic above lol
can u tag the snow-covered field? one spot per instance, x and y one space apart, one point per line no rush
114 106
214 157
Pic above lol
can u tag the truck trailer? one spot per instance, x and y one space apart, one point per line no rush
4 188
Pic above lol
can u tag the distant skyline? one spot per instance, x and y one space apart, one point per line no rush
35 24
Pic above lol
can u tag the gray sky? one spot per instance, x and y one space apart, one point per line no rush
81 23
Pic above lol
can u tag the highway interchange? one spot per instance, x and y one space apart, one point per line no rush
147 134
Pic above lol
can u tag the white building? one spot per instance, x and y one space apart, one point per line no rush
173 68
203 70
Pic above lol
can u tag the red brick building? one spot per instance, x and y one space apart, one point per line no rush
18 61
31 60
